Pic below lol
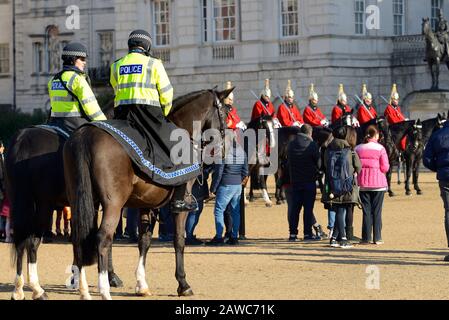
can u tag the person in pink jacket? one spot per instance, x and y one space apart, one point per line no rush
373 185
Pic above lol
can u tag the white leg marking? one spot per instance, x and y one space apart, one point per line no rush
142 286
84 287
34 281
18 293
103 285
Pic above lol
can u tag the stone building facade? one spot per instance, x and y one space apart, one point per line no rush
206 43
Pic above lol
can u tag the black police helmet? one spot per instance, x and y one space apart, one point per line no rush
140 38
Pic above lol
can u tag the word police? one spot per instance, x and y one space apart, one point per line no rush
131 69
226 310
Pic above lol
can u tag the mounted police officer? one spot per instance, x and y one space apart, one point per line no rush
143 97
72 100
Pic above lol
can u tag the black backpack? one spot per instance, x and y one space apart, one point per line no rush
340 181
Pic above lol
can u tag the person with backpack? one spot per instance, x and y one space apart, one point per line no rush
373 185
341 163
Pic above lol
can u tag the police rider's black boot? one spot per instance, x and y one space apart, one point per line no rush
178 203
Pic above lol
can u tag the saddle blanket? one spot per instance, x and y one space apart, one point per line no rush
151 160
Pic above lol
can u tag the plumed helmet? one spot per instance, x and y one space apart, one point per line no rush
365 93
288 91
74 50
266 91
342 97
140 38
231 95
394 93
312 94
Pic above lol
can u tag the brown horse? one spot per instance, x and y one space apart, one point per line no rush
36 187
98 168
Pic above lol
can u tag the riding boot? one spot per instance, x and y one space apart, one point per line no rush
178 203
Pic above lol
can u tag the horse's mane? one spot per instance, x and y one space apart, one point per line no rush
186 99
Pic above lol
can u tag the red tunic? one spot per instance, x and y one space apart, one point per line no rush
337 113
313 117
365 115
260 110
393 116
289 115
233 119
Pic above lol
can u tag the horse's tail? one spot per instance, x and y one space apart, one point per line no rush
19 192
77 160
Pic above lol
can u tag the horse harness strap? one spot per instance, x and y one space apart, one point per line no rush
58 77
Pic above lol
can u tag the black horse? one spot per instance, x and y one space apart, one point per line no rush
36 187
98 168
257 156
417 139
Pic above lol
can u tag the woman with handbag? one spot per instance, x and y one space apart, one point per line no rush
373 185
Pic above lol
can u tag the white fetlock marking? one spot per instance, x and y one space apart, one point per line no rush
266 197
34 281
103 285
18 293
83 286
142 285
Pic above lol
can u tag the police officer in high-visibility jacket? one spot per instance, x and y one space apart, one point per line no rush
72 101
143 97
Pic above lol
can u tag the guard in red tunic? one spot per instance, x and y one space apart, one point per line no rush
233 120
312 113
342 105
394 115
264 106
288 112
366 110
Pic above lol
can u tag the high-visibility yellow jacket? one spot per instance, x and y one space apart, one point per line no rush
139 79
63 105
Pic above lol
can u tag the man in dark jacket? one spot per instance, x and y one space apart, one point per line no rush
436 158
303 164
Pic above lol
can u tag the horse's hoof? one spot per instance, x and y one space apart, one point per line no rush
391 194
419 193
268 205
143 293
86 297
399 183
408 193
17 297
42 297
279 202
115 281
185 293
252 199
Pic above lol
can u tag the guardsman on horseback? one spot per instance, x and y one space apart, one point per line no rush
143 97
442 32
288 113
342 105
394 115
72 100
312 113
233 121
366 111
264 107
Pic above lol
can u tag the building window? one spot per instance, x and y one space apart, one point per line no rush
4 58
106 51
289 18
161 22
38 55
436 6
359 10
221 17
398 17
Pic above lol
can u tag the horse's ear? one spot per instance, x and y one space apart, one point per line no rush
224 94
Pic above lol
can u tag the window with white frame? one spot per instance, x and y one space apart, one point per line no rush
220 16
398 17
4 58
436 6
359 11
106 51
161 22
38 57
289 18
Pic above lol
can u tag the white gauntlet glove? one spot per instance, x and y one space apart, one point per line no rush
241 125
276 123
297 124
355 123
325 123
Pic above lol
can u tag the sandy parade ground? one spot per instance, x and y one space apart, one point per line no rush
408 266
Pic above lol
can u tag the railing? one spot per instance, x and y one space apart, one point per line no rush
225 52
289 48
408 48
163 54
